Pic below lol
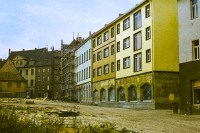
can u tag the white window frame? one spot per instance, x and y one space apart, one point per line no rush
147 11
137 20
138 62
196 50
99 71
137 41
106 52
148 55
126 62
126 23
148 33
106 69
194 9
126 43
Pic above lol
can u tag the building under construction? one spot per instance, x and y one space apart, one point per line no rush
68 69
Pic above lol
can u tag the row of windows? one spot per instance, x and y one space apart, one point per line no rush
83 57
43 70
9 85
106 37
145 94
137 20
106 53
137 42
43 87
105 68
83 74
43 78
137 61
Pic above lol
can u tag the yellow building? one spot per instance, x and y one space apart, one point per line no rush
147 56
103 64
12 84
145 73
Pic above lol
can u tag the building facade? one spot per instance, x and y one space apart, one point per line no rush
12 84
83 72
103 65
143 72
68 88
189 36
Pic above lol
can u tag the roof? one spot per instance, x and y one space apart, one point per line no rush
40 57
9 72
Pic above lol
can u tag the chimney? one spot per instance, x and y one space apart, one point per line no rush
9 52
90 33
120 14
61 42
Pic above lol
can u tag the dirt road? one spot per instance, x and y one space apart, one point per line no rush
144 121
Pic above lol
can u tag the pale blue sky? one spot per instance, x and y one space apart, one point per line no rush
29 24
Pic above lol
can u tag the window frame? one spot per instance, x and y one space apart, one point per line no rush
147 11
148 55
106 36
112 32
196 47
118 65
99 40
136 61
99 55
106 67
148 33
112 49
118 46
112 66
126 23
118 28
106 52
137 17
125 46
194 9
134 41
125 66
99 71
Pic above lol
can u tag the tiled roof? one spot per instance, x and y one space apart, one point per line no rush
41 57
8 72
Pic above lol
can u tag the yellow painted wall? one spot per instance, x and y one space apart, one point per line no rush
14 87
165 34
103 61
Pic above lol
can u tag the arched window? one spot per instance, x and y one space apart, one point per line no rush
111 94
146 92
96 96
132 93
103 95
121 94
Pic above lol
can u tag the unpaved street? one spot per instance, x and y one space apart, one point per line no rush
148 121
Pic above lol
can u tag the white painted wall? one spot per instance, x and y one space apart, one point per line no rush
146 44
189 30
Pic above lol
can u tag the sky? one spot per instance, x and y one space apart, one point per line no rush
30 24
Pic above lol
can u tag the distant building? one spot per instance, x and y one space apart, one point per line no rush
37 67
12 84
68 88
83 72
189 55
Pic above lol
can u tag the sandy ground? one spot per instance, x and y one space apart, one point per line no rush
142 121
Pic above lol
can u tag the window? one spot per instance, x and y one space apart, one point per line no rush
94 43
99 70
99 56
18 84
106 69
48 70
196 92
137 41
194 9
103 95
38 70
118 65
126 43
31 82
148 33
89 54
126 23
94 57
26 72
147 11
106 52
32 71
146 92
106 36
138 62
43 70
9 84
118 29
138 20
20 72
195 49
47 78
39 79
148 55
99 40
94 72
111 94
89 71
84 75
132 93
126 62
118 46
112 32
43 78
84 58
112 49
112 67
121 94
